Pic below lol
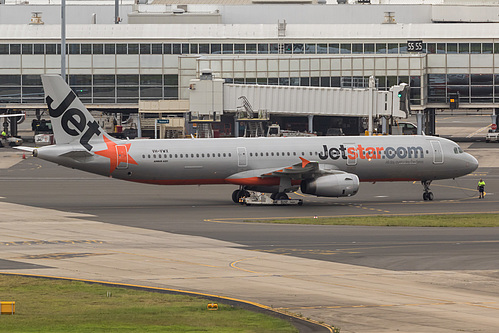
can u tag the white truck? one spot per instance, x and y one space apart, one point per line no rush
492 135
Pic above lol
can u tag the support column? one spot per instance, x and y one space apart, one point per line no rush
495 116
384 125
372 104
430 122
139 128
236 128
13 126
310 123
420 122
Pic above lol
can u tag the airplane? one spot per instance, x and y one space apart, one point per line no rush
320 166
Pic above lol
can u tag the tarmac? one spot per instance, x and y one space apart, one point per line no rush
354 298
446 281
53 243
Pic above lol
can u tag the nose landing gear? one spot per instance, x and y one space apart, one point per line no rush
427 194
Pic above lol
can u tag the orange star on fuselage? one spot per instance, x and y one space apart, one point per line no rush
115 157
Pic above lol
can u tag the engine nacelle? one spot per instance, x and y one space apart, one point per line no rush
337 185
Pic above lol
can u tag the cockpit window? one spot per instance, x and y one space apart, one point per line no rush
458 150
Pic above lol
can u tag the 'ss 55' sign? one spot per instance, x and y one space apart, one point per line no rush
414 46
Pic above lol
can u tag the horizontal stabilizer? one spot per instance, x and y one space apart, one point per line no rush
24 148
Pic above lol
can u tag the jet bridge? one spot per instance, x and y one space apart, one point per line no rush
302 101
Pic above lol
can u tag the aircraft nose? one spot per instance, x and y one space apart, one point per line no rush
471 163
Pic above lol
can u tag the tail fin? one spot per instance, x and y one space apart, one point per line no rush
71 121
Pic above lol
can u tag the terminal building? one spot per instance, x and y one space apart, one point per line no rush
447 52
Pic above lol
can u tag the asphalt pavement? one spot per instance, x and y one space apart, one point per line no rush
63 222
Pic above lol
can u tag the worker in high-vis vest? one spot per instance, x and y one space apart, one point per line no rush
481 189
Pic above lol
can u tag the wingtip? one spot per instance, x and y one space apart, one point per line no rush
304 162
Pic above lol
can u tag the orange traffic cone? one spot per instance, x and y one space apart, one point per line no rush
24 156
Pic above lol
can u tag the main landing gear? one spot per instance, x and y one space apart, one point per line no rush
427 194
279 196
241 193
237 195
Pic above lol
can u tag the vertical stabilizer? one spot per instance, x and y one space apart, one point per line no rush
71 121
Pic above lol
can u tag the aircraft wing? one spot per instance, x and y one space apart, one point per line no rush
305 169
295 171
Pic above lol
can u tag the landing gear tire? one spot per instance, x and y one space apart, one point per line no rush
235 196
428 196
281 196
238 194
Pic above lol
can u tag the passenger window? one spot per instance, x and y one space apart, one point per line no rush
218 154
272 153
181 155
192 155
170 155
148 156
251 154
223 154
294 153
230 154
277 153
202 155
266 154
176 155
143 156
197 155
208 155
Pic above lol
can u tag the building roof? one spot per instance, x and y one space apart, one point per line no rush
228 2
253 31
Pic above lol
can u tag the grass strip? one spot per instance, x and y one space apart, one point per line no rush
454 220
44 305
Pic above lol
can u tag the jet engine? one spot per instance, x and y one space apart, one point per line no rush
337 185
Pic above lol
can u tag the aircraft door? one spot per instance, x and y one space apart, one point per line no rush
122 157
242 158
351 161
438 156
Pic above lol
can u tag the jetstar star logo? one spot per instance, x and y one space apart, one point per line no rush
116 153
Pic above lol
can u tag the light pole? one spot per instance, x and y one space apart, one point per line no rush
63 39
